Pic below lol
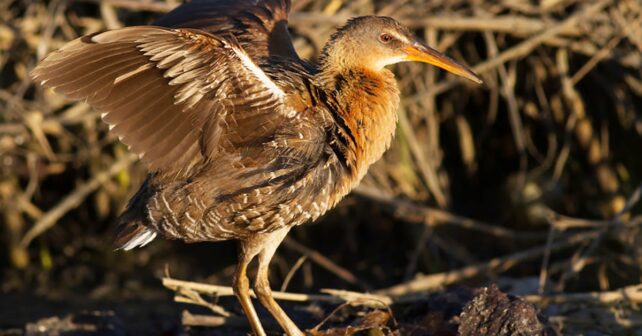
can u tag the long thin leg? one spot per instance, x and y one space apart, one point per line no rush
262 284
241 287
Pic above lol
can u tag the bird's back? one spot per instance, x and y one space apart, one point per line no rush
282 169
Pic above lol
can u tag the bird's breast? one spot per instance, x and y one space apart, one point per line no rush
370 103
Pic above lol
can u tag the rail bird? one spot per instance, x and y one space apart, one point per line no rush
243 139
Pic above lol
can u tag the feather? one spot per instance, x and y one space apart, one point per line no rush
149 83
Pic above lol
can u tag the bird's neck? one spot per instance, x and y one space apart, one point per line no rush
369 101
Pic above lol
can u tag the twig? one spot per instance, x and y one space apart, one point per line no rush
324 262
293 269
335 296
185 295
543 273
508 81
597 58
527 46
194 320
427 282
49 219
430 216
631 294
427 170
109 16
561 222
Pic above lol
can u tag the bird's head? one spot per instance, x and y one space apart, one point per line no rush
377 41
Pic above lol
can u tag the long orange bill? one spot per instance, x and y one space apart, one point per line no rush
423 53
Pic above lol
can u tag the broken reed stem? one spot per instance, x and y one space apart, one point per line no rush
334 296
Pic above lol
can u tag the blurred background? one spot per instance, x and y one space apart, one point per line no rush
530 181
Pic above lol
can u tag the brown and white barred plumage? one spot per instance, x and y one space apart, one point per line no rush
238 142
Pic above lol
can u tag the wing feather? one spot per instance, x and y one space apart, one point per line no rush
260 26
165 92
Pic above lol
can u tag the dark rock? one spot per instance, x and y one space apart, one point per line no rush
492 312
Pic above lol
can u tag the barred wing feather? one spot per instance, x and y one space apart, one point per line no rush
168 94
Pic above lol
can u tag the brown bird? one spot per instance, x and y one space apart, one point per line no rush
242 138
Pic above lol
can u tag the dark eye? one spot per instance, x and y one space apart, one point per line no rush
385 38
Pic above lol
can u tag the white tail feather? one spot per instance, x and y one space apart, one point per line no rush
140 240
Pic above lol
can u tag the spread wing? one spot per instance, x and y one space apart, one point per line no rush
168 94
260 26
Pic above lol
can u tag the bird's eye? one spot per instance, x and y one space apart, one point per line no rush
385 38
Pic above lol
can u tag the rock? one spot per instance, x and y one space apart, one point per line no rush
493 312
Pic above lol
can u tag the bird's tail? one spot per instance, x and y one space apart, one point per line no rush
133 234
132 230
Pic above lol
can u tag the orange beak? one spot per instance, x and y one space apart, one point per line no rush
425 54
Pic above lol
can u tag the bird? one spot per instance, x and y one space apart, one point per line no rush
242 138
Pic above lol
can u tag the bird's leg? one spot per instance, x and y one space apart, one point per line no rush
241 286
262 284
